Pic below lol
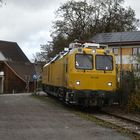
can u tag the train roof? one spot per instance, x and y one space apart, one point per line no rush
58 56
76 46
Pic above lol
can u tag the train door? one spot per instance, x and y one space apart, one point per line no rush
65 72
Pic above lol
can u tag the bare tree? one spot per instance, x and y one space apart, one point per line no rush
75 19
44 53
82 19
0 2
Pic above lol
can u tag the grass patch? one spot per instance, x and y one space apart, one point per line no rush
91 117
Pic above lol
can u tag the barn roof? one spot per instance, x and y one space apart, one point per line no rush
12 52
115 38
16 60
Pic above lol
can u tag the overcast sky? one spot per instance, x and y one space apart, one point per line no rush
29 22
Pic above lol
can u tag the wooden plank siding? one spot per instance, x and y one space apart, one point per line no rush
13 84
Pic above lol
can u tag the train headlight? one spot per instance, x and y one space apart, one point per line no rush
110 84
77 82
94 51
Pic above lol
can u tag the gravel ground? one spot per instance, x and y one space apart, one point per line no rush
23 117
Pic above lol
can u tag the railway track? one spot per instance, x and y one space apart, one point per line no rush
130 125
125 123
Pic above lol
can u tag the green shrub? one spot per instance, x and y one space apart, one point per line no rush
127 86
134 102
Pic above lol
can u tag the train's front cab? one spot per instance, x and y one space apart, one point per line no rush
91 74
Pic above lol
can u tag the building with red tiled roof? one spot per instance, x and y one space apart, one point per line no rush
16 71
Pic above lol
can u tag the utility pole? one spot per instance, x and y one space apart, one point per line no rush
121 71
121 61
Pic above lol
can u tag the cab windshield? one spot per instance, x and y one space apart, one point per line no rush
84 61
104 62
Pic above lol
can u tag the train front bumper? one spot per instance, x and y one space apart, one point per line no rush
88 97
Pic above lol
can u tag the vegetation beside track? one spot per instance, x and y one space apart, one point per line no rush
129 92
134 102
85 115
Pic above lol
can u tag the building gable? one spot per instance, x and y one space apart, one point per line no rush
12 52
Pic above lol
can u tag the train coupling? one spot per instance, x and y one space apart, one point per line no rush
70 98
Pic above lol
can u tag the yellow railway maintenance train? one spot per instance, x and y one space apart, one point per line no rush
84 75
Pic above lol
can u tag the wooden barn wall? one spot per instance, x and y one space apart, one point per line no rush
12 82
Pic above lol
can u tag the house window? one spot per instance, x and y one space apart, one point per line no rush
116 51
136 51
136 67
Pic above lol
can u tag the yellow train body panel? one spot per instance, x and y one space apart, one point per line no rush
53 74
92 81
65 77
